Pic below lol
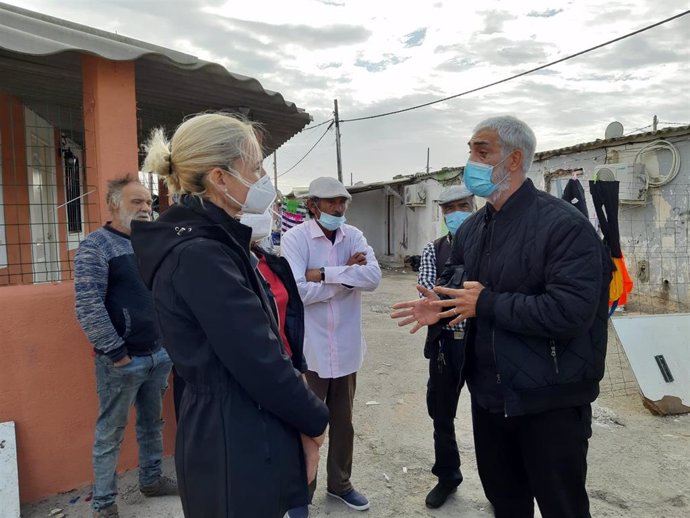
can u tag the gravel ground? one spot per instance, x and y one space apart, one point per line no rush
639 465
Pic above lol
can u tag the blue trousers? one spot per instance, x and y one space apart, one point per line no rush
141 383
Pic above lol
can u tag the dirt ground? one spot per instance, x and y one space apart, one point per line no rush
639 465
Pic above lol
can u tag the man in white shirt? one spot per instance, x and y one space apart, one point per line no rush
332 264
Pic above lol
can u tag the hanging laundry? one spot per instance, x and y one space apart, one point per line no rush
294 213
574 193
605 198
622 278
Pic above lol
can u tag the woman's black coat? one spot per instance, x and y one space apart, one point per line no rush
238 448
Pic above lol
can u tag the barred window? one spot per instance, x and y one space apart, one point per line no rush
73 190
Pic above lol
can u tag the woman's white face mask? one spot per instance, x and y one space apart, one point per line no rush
261 224
260 196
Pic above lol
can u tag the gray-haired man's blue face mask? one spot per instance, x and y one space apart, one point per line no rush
477 178
455 219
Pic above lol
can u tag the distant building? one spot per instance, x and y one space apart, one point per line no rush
654 209
401 215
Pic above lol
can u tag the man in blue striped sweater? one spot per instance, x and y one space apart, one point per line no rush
115 310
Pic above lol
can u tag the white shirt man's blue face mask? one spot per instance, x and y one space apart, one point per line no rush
330 222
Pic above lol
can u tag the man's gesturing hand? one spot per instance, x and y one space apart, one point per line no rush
421 311
462 304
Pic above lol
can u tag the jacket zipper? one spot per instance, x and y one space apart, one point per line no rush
466 330
498 374
493 350
553 354
267 449
493 329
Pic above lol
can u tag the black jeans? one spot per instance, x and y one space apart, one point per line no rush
443 391
540 456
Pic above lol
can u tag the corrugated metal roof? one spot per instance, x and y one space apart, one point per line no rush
364 187
40 63
445 174
673 131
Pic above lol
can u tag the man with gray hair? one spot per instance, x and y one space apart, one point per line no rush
333 264
115 310
445 349
535 305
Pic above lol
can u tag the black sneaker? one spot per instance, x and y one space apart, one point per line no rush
298 512
107 512
353 499
438 496
164 486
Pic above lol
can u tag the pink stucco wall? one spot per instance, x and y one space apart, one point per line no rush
47 386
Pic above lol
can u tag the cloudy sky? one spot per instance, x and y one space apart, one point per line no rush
376 56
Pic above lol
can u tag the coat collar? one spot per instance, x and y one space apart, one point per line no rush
211 214
518 201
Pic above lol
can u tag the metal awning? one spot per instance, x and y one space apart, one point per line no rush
40 63
445 174
635 138
365 187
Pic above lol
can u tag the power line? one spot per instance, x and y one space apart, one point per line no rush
679 15
660 122
320 124
638 129
310 150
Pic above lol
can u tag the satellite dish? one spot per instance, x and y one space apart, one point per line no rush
605 174
614 130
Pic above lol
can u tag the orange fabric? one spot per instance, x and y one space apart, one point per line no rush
621 283
627 283
616 286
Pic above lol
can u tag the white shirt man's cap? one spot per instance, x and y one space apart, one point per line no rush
327 187
454 193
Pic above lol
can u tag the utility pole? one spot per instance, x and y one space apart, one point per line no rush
351 179
655 123
427 160
275 171
337 140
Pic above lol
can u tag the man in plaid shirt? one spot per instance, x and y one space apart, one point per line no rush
445 350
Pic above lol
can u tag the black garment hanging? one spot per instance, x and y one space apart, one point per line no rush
605 197
574 193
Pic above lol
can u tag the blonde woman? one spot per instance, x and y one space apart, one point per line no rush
249 428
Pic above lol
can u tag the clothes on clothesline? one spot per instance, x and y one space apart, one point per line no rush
574 193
